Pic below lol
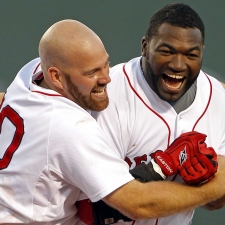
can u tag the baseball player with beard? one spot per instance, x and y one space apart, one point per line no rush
162 94
52 148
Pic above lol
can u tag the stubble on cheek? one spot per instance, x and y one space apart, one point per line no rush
87 102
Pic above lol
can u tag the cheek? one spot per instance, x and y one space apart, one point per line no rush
195 68
86 86
157 63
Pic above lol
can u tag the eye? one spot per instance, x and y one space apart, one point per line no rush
192 56
91 73
165 52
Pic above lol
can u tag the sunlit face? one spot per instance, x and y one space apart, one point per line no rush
85 83
172 60
92 98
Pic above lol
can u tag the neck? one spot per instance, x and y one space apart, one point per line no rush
43 84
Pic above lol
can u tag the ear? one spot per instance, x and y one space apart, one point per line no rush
144 48
55 76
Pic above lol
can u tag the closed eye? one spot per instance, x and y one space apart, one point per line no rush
192 55
92 72
165 52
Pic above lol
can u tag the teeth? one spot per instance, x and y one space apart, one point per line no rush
174 86
98 92
175 76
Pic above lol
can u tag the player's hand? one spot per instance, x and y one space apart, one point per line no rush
201 168
183 149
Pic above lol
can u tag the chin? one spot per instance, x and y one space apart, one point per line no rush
169 98
99 106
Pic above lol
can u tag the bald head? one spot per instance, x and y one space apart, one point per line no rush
65 43
75 64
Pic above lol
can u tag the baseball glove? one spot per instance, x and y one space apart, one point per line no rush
189 156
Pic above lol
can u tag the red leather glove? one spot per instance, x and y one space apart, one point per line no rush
183 149
200 169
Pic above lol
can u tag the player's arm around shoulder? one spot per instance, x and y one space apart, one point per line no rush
162 198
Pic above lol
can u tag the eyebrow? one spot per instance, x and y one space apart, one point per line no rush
172 48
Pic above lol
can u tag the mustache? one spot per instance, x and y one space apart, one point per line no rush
99 86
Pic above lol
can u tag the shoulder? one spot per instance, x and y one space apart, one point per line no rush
31 66
115 70
123 76
126 67
123 72
216 84
72 120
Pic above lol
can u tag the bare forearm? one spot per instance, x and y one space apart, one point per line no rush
214 205
162 198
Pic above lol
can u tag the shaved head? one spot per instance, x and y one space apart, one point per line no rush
65 42
75 64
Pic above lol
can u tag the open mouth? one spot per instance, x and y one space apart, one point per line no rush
101 93
173 82
98 92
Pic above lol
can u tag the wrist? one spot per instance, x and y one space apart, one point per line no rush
165 162
158 169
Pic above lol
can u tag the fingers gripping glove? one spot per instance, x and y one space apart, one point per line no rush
183 149
201 168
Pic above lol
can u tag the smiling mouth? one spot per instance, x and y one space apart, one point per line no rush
173 82
100 92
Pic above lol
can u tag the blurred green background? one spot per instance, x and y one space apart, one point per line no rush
120 23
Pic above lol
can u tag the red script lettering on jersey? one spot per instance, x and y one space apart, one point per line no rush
17 121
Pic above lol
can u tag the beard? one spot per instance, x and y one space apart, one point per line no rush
85 101
152 78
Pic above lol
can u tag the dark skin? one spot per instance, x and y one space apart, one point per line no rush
171 62
175 52
175 56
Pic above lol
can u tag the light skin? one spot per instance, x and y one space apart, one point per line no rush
80 55
75 64
223 84
1 96
163 198
214 205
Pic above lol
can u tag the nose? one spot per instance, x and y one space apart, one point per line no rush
104 76
178 62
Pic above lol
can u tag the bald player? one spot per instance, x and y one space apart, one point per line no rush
52 148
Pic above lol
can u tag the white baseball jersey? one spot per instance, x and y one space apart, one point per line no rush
51 149
138 122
